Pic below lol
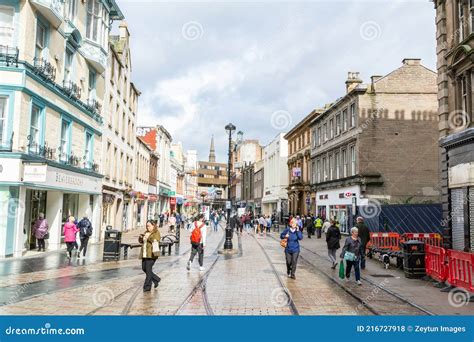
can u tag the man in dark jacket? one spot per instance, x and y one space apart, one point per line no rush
333 235
85 231
364 235
309 226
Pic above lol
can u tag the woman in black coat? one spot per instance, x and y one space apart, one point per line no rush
333 235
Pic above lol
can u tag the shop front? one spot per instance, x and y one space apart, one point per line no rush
30 189
336 204
163 199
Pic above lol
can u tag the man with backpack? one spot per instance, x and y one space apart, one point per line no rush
85 231
198 242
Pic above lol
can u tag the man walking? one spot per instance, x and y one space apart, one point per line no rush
318 225
364 235
85 231
309 226
198 242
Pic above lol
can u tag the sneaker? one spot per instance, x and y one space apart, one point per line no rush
188 267
201 268
293 277
289 275
359 282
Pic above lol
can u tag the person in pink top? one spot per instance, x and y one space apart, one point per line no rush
70 230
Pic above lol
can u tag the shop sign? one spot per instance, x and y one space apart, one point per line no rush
349 194
35 173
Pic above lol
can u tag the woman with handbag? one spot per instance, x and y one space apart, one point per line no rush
291 237
149 252
40 229
351 253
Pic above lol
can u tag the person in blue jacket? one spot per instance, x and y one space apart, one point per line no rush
292 250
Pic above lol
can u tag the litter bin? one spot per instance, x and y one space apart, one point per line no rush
112 241
414 259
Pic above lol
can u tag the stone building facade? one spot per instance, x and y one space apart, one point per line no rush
455 44
377 144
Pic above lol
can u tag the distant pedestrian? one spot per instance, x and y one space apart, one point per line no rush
262 225
269 224
198 242
318 225
233 222
333 236
351 253
85 232
40 229
326 226
309 226
292 250
162 219
149 252
70 230
172 223
364 235
215 221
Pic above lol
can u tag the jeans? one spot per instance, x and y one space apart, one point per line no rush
332 255
199 249
84 242
291 261
147 267
349 265
41 244
362 259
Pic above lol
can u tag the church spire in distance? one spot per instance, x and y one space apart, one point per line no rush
212 152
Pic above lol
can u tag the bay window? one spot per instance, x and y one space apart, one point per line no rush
97 22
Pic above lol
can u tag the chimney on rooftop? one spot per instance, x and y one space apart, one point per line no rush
411 61
352 81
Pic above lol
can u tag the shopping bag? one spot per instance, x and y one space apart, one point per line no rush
342 273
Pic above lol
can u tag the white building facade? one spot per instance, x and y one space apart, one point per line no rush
275 177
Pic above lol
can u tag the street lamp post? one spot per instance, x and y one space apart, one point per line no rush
230 128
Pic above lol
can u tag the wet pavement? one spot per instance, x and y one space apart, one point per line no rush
253 281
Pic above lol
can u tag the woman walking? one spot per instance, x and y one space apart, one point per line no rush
149 253
70 230
333 235
172 222
40 229
351 252
292 249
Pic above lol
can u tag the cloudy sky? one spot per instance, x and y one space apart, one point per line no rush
262 65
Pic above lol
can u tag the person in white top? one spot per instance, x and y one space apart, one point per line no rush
326 226
198 242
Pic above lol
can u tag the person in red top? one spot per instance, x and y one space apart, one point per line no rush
70 230
198 242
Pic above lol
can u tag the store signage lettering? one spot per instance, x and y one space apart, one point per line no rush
69 180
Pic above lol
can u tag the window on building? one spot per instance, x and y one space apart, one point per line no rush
331 128
315 137
338 124
6 25
353 161
92 84
325 170
68 65
353 115
35 128
331 167
344 120
3 120
97 22
41 39
65 143
71 9
337 165
318 171
344 163
464 93
325 130
461 20
319 135
107 159
115 164
88 153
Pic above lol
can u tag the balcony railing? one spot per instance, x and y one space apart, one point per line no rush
94 106
43 151
90 165
9 55
44 69
69 159
72 89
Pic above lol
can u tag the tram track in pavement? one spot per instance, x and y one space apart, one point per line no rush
291 304
380 301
